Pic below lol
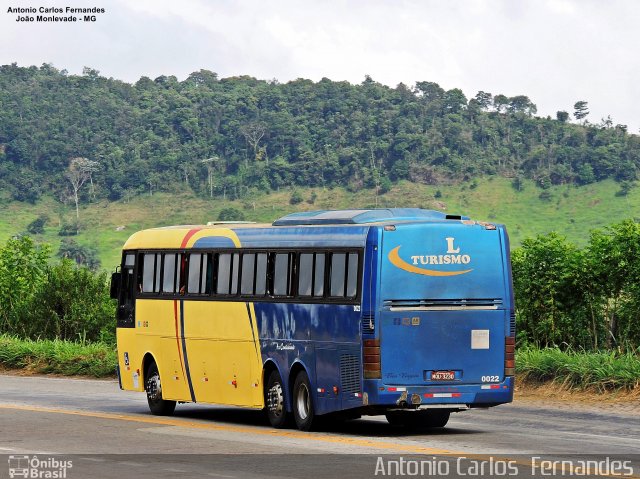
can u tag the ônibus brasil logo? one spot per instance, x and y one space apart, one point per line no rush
40 468
452 256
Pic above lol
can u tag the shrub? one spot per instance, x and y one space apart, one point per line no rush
69 229
36 227
72 303
545 195
231 214
296 198
39 300
82 255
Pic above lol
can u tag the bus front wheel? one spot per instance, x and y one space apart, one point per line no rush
302 402
274 401
153 387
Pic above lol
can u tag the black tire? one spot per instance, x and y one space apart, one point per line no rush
153 387
274 402
396 418
303 411
419 419
432 418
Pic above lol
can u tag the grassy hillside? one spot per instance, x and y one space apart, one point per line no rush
569 210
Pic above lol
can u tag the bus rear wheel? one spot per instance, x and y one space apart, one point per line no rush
152 385
303 411
419 419
274 401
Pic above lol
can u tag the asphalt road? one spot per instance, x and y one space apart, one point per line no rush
106 432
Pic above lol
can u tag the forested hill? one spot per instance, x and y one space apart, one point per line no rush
154 134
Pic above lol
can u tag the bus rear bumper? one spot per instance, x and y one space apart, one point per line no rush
413 396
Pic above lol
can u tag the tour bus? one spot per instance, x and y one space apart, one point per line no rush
403 312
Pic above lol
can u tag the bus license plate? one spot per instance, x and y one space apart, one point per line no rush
443 375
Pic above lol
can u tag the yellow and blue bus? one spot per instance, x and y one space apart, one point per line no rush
403 312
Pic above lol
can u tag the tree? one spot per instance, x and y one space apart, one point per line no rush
78 173
483 100
500 103
429 91
581 110
253 133
522 104
562 116
210 163
454 101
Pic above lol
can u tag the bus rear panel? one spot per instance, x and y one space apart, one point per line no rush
442 332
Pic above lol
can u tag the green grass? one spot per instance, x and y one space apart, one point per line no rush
601 371
577 370
571 211
58 357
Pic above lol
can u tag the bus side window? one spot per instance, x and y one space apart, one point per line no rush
305 274
209 279
352 275
318 275
261 274
228 269
171 269
338 261
248 274
183 259
206 275
344 275
195 272
282 274
311 275
150 272
224 273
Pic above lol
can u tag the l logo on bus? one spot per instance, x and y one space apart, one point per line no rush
451 257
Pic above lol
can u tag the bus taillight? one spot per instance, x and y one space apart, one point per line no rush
371 353
509 356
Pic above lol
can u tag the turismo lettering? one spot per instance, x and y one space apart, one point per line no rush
441 259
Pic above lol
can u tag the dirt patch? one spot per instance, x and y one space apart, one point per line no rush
34 372
558 396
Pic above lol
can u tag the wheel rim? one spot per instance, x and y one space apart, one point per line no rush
303 402
275 400
154 388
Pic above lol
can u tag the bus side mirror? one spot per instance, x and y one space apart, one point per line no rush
114 291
